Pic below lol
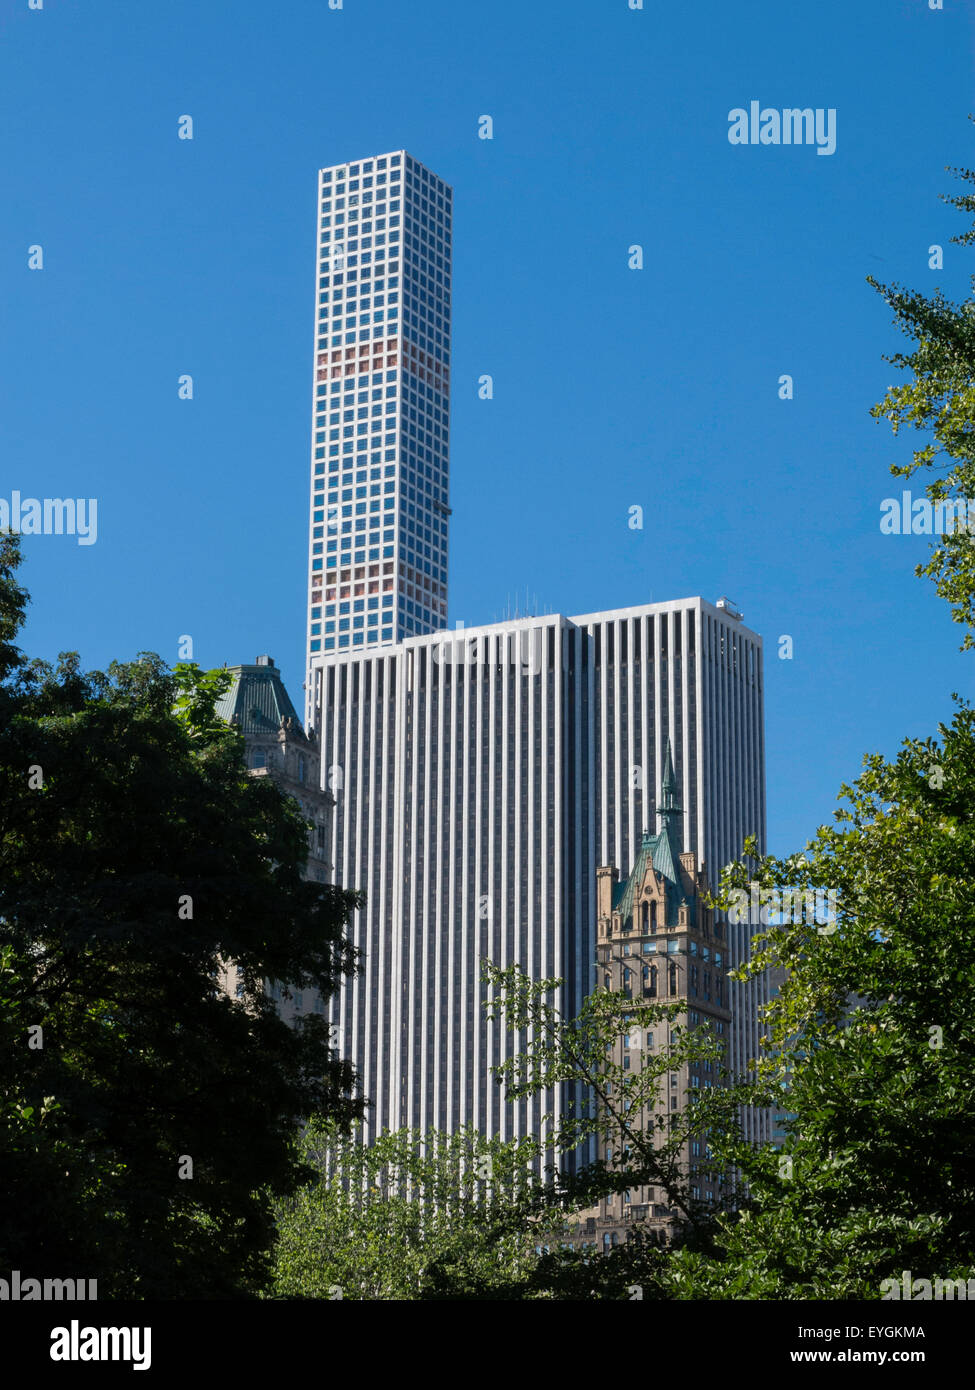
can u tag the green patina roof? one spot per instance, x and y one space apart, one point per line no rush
257 700
661 850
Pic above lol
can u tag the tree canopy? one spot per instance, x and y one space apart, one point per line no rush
146 1118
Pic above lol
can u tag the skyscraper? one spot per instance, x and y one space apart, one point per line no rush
380 429
478 782
479 779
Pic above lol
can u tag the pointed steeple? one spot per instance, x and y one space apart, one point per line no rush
669 810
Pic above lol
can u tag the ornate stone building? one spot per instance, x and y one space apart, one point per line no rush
278 747
657 941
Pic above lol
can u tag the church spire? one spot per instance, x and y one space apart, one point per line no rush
669 810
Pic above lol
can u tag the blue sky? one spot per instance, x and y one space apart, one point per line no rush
613 386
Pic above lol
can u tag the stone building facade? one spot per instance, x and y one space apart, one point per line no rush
278 747
658 941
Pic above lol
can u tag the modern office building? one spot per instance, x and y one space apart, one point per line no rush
479 779
380 428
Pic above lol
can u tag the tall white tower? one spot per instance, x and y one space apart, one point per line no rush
377 565
479 780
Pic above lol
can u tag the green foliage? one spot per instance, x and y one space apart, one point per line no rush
195 705
136 856
870 1043
581 1058
871 1038
412 1216
940 400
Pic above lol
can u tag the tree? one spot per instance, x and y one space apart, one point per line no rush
940 399
870 1042
872 1036
412 1216
437 1216
146 1119
605 1100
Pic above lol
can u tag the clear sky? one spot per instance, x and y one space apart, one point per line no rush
613 387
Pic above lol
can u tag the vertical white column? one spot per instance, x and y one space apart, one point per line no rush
483 1060
429 953
699 733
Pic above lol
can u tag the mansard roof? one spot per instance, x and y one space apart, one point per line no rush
257 701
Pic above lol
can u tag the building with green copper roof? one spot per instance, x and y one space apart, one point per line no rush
279 748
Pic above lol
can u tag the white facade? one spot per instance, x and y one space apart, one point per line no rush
377 569
479 778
